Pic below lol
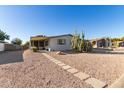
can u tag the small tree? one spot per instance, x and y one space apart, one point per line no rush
26 45
3 36
16 41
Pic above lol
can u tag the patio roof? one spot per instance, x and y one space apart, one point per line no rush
39 38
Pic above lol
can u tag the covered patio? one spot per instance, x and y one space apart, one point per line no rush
41 42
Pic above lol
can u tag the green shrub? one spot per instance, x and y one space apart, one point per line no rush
34 49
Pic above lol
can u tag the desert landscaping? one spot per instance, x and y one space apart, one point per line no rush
30 69
36 71
105 67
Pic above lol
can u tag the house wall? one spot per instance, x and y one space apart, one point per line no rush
53 44
1 46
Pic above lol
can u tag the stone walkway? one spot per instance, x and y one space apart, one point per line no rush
82 76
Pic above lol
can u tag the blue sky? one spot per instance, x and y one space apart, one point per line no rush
94 21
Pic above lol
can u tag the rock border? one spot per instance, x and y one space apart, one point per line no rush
95 83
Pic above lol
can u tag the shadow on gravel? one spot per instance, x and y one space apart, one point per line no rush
11 57
105 52
119 53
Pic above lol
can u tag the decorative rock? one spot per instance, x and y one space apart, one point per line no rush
60 53
61 64
95 83
73 70
66 67
82 76
57 62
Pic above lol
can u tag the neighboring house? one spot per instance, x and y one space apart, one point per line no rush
101 43
121 44
60 42
118 44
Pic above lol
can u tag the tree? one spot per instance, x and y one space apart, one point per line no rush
3 36
26 45
16 41
122 38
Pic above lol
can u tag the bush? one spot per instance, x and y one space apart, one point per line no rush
34 49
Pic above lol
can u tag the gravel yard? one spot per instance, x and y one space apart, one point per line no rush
35 71
105 67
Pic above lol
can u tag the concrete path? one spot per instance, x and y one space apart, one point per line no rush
82 76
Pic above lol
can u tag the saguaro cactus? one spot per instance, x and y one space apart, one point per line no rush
79 44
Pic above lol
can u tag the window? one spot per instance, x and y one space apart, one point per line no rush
61 41
46 43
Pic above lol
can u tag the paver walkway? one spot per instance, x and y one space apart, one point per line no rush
82 76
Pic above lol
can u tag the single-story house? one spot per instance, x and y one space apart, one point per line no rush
121 44
60 42
118 43
101 43
4 46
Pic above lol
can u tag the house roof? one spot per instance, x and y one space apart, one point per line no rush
60 36
41 37
97 39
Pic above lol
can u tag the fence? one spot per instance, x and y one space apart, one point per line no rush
9 47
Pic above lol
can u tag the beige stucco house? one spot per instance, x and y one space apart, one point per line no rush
121 44
60 42
118 44
101 43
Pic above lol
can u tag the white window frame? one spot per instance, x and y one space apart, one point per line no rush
63 42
